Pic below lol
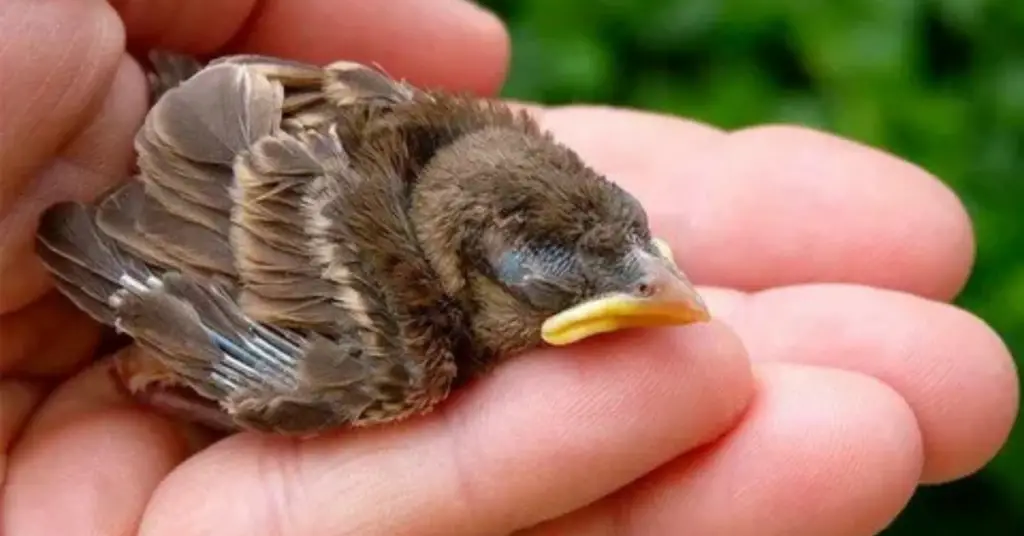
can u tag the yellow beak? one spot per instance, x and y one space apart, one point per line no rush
670 300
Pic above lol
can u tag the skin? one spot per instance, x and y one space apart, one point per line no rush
834 380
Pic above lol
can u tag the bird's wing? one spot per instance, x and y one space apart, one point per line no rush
205 257
222 175
186 152
202 334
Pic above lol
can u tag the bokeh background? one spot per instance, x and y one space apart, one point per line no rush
938 82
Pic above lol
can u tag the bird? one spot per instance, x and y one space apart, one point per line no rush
303 248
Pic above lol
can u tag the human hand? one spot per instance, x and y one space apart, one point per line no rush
826 264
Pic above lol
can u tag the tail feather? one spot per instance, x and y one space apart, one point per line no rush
117 217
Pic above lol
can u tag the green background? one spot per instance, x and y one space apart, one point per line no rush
938 82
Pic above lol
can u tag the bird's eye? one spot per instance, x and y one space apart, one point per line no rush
511 268
540 276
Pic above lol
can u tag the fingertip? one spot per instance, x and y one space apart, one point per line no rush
795 396
862 464
491 68
984 388
896 225
93 475
819 451
954 370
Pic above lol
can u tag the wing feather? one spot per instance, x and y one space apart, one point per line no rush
231 257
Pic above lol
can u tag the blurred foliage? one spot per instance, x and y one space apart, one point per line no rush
938 82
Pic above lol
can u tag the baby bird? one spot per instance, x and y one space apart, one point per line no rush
309 248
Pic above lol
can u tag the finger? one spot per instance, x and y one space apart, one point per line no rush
547 433
29 347
17 400
819 452
90 456
97 157
94 391
773 206
953 370
91 391
65 54
189 26
450 43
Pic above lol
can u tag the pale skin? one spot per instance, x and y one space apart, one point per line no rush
833 381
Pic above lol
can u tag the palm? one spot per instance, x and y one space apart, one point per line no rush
855 394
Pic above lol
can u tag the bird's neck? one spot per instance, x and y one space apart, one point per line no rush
450 204
450 208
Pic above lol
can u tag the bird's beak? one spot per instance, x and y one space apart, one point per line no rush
672 300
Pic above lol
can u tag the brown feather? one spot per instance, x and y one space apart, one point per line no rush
193 247
117 217
315 247
169 70
270 242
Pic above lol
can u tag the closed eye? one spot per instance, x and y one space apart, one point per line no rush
544 276
512 268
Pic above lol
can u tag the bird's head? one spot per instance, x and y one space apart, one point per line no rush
537 246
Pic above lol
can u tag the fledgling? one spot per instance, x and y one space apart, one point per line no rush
307 248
